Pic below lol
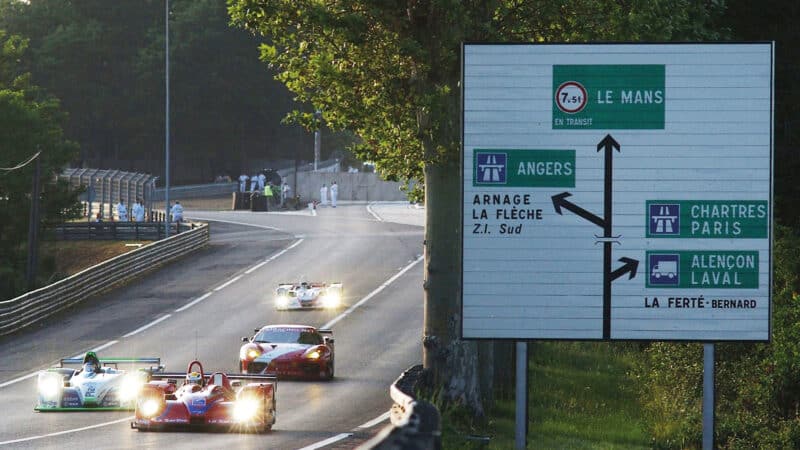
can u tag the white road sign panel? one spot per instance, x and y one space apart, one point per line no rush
617 191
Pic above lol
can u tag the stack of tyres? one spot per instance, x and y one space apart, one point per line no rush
241 200
258 203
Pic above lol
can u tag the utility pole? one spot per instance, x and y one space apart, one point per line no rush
166 118
33 228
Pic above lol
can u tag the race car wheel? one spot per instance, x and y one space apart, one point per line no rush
329 372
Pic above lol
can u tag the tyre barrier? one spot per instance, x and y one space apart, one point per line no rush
416 424
41 303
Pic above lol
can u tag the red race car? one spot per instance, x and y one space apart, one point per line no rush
218 400
289 351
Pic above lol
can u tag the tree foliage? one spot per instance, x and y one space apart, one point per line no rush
389 71
105 61
30 121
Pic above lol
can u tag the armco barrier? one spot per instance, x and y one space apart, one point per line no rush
415 423
34 306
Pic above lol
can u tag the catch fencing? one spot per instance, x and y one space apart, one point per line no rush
37 305
105 188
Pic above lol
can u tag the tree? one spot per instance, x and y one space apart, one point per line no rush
30 121
389 71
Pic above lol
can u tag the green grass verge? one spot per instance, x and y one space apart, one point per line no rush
579 397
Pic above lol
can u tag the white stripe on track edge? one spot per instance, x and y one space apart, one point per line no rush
376 420
328 441
227 283
275 256
372 294
266 227
194 302
59 433
17 380
96 349
373 213
147 326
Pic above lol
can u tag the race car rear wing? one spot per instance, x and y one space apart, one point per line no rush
112 361
229 376
324 331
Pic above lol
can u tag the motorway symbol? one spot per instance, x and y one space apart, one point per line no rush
491 168
630 266
665 218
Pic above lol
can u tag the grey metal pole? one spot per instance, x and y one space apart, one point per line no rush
166 118
709 397
521 395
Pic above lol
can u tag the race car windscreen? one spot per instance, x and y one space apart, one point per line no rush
288 336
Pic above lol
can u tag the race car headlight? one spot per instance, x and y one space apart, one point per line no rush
245 409
150 407
281 301
314 355
331 300
49 387
130 387
249 353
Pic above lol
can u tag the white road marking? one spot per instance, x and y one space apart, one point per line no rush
227 283
374 214
376 420
194 302
147 326
254 268
328 441
371 294
17 380
314 211
96 349
237 223
59 433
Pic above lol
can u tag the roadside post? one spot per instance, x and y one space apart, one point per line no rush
618 192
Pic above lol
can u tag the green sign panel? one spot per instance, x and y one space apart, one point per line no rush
702 269
606 97
523 168
729 219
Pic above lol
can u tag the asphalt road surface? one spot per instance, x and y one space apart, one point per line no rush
200 307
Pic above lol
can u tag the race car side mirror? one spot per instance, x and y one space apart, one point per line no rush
329 340
244 339
256 330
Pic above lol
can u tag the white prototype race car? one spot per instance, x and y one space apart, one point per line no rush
308 295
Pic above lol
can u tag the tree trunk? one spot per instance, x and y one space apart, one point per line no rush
452 361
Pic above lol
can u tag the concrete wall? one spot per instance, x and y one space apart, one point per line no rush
352 186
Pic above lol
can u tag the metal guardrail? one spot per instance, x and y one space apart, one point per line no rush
416 424
119 231
34 306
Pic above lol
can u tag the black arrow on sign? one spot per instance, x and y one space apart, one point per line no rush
629 266
560 201
609 144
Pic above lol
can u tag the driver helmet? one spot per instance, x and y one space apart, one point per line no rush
194 378
304 285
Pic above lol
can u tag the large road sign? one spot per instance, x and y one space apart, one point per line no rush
617 191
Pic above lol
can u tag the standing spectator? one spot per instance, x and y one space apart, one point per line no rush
323 195
243 182
334 193
268 193
122 211
177 213
253 183
137 211
261 179
284 193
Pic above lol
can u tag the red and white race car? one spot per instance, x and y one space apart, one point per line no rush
233 402
308 295
289 351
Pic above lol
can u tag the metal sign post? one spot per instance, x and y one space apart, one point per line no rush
709 397
521 396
